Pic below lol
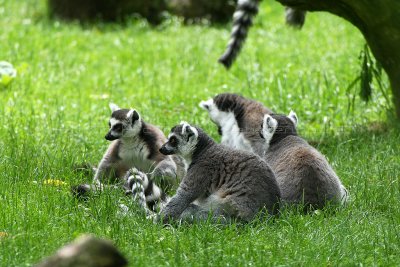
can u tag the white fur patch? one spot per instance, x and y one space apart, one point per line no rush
231 134
268 129
155 193
212 202
206 104
238 15
129 114
112 123
242 2
193 129
134 152
184 125
293 117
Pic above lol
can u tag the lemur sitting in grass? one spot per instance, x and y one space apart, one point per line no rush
135 144
220 182
303 174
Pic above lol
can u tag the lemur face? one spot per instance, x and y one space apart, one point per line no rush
182 140
123 123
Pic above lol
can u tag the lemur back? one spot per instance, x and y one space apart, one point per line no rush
226 182
315 177
242 21
238 120
135 144
303 173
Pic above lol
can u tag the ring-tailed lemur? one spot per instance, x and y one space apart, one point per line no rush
238 120
303 173
135 144
321 184
228 183
242 21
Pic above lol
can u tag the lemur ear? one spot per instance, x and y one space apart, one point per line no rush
113 107
293 117
269 124
188 130
206 104
133 115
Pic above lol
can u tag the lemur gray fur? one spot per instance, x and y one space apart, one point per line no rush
135 144
238 120
242 21
303 173
227 183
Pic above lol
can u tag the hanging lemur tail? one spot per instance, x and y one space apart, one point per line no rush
242 20
295 17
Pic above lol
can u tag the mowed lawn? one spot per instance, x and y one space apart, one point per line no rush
54 116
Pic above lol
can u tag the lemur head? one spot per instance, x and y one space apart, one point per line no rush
275 127
123 123
182 140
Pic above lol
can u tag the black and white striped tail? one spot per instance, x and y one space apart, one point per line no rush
242 20
145 192
295 17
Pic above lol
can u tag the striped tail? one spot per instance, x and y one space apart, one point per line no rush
145 192
242 20
295 17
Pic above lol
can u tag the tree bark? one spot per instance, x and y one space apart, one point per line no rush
378 21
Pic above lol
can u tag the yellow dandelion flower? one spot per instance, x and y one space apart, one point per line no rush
54 182
3 234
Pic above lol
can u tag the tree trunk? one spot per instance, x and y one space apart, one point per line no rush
379 22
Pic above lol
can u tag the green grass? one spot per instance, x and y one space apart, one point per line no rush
54 115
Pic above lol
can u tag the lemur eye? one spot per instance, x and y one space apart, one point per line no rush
117 127
173 141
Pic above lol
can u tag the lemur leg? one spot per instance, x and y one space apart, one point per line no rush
83 190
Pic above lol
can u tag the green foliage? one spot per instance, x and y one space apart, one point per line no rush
366 75
54 116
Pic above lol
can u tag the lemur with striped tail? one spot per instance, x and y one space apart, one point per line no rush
242 21
135 144
220 182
